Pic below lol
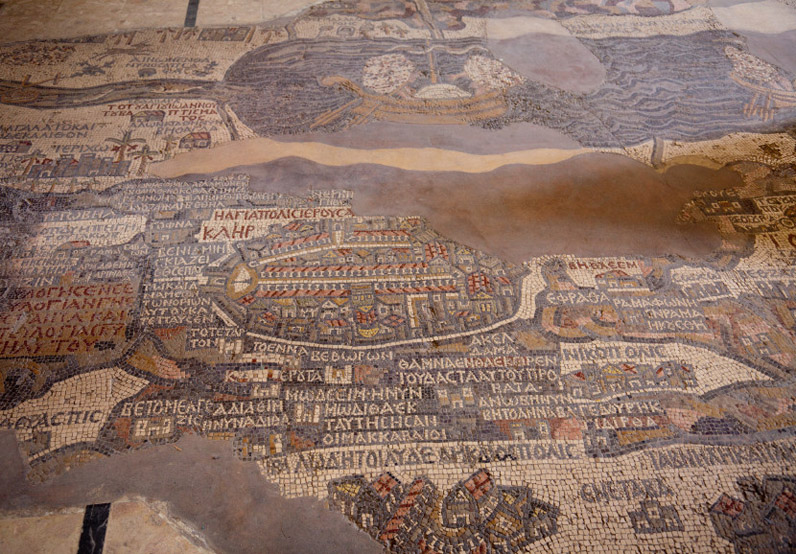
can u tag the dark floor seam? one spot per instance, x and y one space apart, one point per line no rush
190 14
95 523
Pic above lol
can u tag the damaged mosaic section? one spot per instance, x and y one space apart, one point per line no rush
85 114
440 397
325 343
476 513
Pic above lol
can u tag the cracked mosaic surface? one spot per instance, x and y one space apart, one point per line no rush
440 397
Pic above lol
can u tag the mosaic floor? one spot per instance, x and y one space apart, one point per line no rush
469 276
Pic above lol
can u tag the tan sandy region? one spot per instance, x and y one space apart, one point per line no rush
768 16
263 150
513 27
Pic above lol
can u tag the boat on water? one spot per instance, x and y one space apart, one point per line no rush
438 103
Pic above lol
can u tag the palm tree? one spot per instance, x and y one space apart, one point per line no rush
171 142
124 144
145 155
31 158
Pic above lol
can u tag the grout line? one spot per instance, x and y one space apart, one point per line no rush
95 523
190 14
